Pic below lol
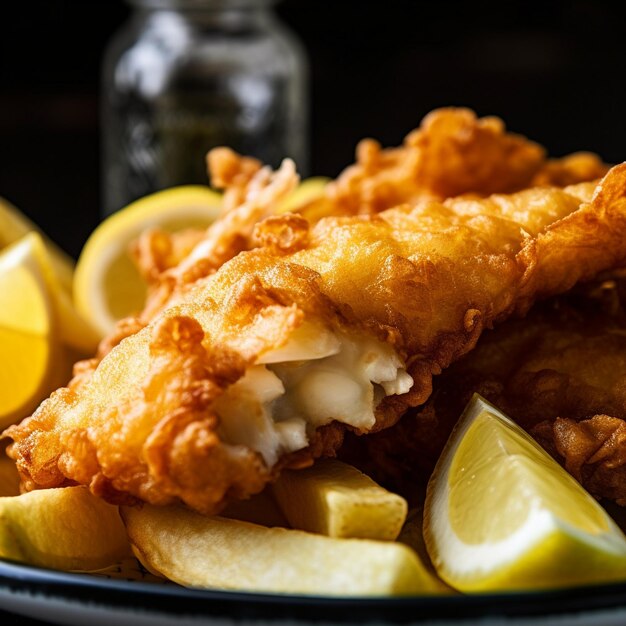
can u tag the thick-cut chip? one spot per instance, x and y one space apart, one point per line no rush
198 551
66 529
335 499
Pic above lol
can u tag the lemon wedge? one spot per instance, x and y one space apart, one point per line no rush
32 262
25 363
501 514
25 303
14 225
73 330
27 344
107 285
57 269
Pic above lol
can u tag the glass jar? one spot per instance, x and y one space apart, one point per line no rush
184 76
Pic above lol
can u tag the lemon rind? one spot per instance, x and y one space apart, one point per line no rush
478 565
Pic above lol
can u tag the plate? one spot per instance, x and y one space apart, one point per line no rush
67 598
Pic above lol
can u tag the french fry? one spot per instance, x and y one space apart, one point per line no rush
198 551
335 499
65 529
412 535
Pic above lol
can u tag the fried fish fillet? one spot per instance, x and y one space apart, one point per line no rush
319 329
453 152
560 373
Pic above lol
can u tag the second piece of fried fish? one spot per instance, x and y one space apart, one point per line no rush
560 373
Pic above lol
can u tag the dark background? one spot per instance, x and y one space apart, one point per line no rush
552 70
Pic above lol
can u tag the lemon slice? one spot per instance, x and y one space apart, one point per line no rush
31 266
307 191
107 285
14 225
26 306
501 514
25 363
28 349
74 330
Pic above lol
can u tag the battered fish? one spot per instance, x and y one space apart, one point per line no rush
451 153
560 373
317 330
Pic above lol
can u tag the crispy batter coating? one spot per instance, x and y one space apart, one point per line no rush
253 194
560 373
593 450
453 152
157 251
571 169
426 279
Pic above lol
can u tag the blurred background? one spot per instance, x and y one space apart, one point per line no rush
553 71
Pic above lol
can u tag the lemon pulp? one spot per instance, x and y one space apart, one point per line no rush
501 514
125 289
24 304
107 285
33 360
14 225
508 473
24 363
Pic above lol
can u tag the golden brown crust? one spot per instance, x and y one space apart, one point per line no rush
427 279
452 152
156 251
233 172
574 168
124 328
593 450
252 194
560 373
282 235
